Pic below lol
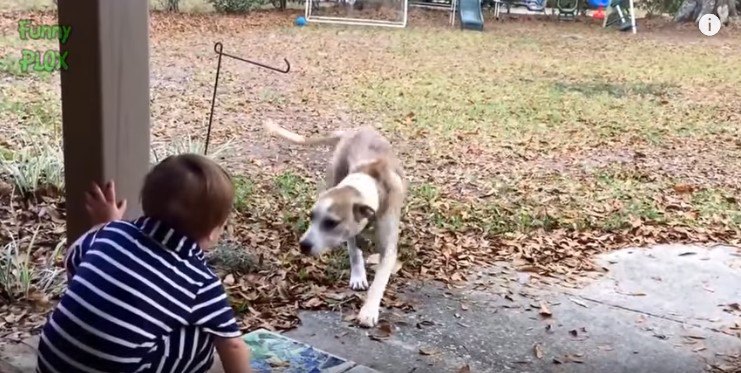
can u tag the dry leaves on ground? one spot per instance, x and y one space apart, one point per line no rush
489 182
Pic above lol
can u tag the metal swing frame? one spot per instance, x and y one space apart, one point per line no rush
312 4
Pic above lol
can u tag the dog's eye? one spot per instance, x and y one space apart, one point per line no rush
329 224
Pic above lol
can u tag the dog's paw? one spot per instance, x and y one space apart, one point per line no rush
368 317
358 282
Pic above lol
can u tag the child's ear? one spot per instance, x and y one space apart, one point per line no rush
362 211
214 236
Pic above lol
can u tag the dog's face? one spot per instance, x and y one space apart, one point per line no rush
337 215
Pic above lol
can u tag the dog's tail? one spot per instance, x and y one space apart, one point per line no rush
331 139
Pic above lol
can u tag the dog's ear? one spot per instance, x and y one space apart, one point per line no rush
362 211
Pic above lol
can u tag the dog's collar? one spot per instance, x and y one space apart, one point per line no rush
366 185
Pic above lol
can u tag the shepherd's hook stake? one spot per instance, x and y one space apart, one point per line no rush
219 49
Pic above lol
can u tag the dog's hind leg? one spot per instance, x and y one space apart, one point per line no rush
387 229
358 279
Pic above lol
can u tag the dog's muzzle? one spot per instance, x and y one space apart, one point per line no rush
305 246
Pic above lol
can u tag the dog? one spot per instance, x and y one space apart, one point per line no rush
365 184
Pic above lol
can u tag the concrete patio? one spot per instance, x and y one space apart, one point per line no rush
672 308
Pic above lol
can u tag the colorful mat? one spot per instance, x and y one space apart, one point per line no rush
273 353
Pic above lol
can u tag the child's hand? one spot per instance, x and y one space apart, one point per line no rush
102 206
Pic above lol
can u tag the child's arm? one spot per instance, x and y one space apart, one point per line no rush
77 250
103 208
234 354
213 313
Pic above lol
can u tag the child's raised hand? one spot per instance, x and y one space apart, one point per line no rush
102 206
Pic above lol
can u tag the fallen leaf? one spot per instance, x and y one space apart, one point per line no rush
544 311
385 327
683 188
382 332
465 369
424 323
313 303
538 351
427 351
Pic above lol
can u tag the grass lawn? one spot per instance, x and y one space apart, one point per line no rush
536 142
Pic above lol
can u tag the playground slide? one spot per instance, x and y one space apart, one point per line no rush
470 15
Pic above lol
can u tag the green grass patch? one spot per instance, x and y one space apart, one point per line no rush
717 207
295 193
244 190
615 90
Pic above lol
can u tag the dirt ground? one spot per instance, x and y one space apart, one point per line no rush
536 142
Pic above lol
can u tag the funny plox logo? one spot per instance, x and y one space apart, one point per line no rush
50 59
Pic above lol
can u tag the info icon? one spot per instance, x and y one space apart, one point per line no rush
709 24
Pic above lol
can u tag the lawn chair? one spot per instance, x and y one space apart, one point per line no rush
567 9
620 13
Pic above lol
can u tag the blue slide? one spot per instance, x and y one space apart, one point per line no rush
470 15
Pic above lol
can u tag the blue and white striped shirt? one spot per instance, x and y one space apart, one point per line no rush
140 299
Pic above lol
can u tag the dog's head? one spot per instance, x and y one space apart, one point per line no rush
338 215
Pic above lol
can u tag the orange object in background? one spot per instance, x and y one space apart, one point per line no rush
599 14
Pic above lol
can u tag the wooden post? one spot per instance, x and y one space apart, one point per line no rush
105 101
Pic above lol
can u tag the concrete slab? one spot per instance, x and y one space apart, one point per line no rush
362 369
677 326
685 283
656 310
21 356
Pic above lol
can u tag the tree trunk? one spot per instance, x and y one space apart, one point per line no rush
693 10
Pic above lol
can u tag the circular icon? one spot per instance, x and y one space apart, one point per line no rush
709 24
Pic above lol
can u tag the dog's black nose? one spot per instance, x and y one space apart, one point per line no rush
305 247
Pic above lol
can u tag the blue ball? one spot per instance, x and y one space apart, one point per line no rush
300 21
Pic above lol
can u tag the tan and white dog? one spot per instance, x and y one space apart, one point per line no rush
365 183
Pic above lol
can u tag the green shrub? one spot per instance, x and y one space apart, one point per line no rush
188 143
656 7
35 167
236 6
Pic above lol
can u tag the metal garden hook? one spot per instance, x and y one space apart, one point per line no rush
219 49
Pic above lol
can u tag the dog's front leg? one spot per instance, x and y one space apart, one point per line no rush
358 279
388 237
